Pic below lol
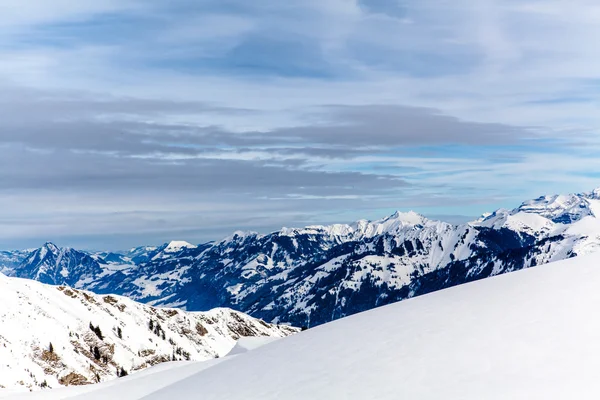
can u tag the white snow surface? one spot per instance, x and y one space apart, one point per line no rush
532 334
246 344
33 315
176 246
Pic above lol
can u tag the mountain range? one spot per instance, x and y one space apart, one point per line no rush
312 275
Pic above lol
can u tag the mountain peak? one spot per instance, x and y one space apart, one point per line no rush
362 228
595 194
410 217
176 246
399 219
47 248
50 246
240 236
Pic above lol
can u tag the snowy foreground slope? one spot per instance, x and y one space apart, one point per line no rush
532 334
52 336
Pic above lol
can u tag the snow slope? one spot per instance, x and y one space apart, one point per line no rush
532 334
47 340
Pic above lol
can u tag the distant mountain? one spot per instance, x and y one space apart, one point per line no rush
57 266
56 335
312 275
10 260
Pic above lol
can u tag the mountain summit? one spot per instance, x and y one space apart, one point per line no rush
176 246
53 265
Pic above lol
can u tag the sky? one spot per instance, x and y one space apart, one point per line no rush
130 122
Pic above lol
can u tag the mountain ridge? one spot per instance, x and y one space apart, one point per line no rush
311 275
53 336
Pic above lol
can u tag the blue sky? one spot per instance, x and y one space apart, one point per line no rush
131 122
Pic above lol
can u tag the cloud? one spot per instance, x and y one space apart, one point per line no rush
45 120
199 117
61 146
393 8
385 125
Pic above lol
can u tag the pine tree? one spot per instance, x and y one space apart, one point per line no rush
98 332
51 348
96 353
119 332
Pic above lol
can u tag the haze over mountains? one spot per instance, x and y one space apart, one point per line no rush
313 275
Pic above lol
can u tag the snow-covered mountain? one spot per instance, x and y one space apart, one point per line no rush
53 265
56 335
10 260
312 275
528 335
